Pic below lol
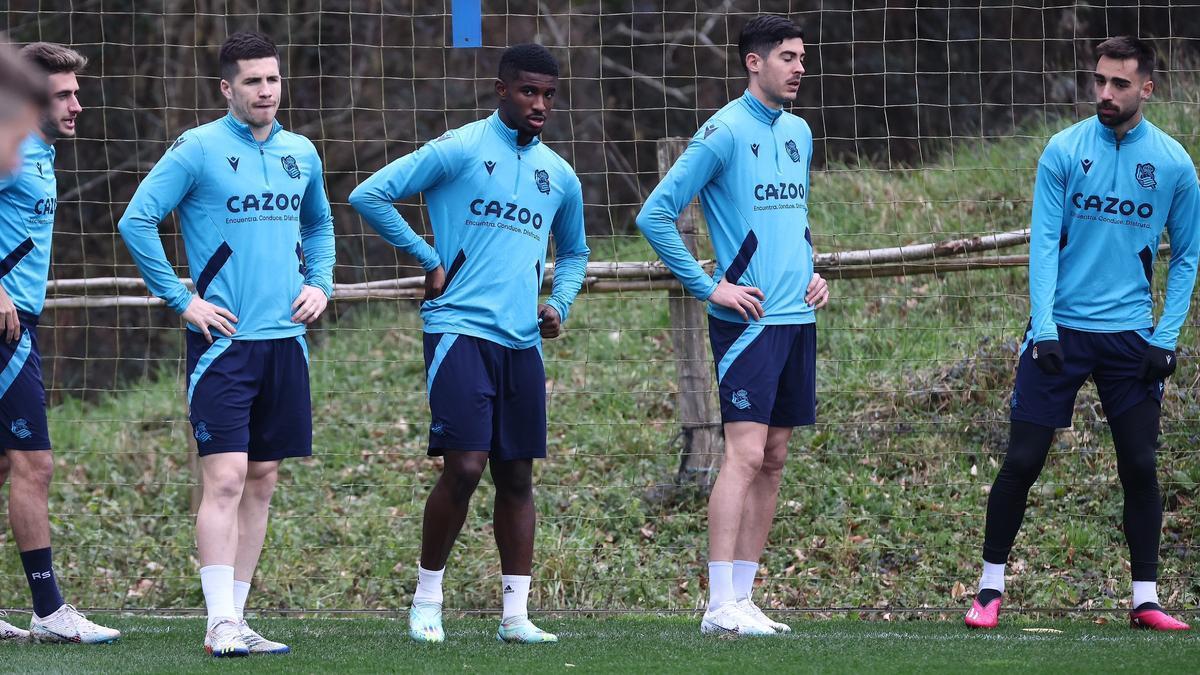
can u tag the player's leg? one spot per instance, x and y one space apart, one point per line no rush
515 520
447 505
795 405
745 444
758 514
25 436
253 511
1135 435
223 480
4 467
460 394
749 362
1040 403
1028 446
29 516
518 438
280 428
1133 408
222 381
445 512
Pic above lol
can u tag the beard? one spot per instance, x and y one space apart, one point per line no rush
51 129
1115 117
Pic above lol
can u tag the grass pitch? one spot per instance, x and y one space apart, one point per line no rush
631 644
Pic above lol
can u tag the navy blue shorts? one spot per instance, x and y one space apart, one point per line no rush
22 394
250 396
485 397
766 374
1112 361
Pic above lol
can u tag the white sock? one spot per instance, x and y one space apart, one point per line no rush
744 572
429 585
516 595
1143 592
993 576
241 591
217 583
720 583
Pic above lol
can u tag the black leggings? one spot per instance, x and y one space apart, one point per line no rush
1135 435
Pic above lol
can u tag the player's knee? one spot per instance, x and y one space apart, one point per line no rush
773 463
224 486
1138 471
1022 466
515 487
745 460
261 485
461 481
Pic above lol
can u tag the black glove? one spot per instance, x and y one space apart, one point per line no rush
1157 364
1048 356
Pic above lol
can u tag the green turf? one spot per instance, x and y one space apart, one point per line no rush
630 644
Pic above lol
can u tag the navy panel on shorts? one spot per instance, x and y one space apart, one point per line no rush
1110 359
485 397
22 394
766 374
250 396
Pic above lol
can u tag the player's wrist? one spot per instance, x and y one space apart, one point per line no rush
558 307
182 301
324 287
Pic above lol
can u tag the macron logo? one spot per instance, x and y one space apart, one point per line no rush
490 166
754 149
233 162
1087 166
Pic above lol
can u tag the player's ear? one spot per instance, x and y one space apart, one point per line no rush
1147 89
753 62
226 89
501 89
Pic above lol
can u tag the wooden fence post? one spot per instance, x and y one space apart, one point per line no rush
703 443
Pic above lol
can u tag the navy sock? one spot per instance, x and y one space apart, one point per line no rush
39 571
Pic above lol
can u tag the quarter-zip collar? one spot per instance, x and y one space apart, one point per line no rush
242 130
509 134
759 110
1132 136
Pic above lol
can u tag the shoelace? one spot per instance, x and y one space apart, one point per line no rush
226 631
75 618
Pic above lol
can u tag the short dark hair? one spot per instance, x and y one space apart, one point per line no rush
527 58
1128 47
20 84
244 45
764 33
54 58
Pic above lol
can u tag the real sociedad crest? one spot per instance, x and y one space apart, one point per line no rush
792 150
543 181
290 166
1145 176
